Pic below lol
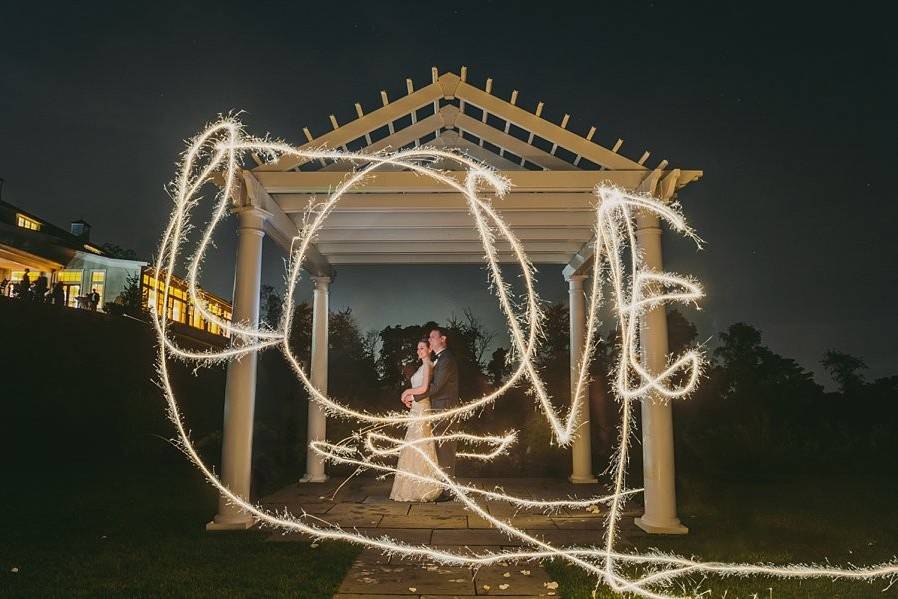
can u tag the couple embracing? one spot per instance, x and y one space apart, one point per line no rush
434 388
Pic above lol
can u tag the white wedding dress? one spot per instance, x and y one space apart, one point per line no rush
406 488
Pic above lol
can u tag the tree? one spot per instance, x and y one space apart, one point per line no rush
119 252
351 367
301 332
555 346
751 372
467 338
272 306
130 295
397 350
497 367
844 370
471 337
681 333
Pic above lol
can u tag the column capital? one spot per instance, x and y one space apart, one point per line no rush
576 280
251 217
648 220
322 282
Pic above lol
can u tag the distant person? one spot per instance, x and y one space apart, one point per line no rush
58 294
40 287
94 300
3 285
24 285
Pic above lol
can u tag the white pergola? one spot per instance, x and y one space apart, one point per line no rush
400 217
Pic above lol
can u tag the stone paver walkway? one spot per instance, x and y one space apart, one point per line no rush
362 504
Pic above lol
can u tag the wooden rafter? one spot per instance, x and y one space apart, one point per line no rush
456 87
353 130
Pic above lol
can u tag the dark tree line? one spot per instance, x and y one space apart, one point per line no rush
755 410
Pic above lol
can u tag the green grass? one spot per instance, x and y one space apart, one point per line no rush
843 518
140 534
95 502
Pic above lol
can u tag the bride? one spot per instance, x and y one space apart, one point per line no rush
406 488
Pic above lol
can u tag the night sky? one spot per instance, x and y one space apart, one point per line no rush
790 112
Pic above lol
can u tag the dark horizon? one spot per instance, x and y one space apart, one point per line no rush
789 117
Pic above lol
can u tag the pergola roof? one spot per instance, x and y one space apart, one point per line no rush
401 217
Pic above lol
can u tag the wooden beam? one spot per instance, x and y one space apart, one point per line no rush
512 144
662 184
448 248
555 134
390 112
332 234
292 203
451 219
581 262
361 113
451 140
398 181
398 140
442 259
281 227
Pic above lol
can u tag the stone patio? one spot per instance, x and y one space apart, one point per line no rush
362 504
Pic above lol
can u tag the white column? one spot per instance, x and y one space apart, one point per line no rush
240 388
317 420
660 515
581 450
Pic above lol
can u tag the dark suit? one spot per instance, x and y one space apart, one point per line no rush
443 394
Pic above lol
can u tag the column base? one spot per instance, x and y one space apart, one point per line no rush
314 478
671 527
582 480
227 525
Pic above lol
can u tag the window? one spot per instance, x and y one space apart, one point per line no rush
71 293
27 223
97 282
179 307
196 320
69 276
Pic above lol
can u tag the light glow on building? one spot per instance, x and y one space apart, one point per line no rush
180 307
27 223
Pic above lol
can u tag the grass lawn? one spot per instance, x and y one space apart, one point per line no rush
96 503
843 518
140 534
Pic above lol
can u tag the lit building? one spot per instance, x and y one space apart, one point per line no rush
179 308
68 257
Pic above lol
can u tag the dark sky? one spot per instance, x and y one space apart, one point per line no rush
790 112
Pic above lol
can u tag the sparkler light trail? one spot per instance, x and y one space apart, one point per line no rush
632 289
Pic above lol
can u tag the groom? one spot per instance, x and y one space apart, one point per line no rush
443 394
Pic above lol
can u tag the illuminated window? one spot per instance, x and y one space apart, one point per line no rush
97 283
179 307
15 277
72 292
69 276
27 223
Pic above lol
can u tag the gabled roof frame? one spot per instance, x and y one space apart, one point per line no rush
551 189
